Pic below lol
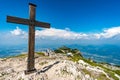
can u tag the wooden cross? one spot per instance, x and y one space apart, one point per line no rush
32 23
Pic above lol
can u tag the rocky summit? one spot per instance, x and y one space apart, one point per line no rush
61 64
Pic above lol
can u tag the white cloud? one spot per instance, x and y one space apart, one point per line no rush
67 34
60 33
108 33
18 32
62 36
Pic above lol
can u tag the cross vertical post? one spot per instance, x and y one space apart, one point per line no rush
31 42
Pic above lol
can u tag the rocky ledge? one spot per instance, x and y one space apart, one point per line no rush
62 64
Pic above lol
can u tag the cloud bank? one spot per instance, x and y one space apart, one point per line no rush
108 33
60 34
66 36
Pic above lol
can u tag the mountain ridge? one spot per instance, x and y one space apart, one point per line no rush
66 65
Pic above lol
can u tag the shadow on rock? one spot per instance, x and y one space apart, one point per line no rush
47 67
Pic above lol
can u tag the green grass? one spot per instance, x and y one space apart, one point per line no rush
40 53
111 73
86 71
58 51
102 77
75 57
42 63
99 77
117 72
20 56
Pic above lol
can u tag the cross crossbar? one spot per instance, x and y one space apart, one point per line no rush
18 20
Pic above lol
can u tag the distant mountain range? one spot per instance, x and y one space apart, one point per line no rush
100 53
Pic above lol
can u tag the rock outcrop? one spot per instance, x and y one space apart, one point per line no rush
57 67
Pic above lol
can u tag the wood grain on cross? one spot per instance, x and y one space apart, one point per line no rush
32 23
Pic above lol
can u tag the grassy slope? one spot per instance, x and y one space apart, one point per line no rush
77 57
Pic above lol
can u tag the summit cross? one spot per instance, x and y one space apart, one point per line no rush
31 43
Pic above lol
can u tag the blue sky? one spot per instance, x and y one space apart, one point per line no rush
80 21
